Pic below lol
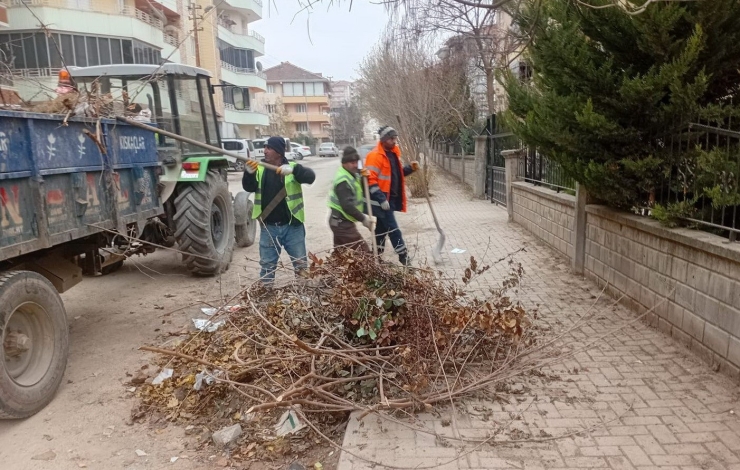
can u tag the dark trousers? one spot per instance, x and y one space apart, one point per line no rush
346 235
387 226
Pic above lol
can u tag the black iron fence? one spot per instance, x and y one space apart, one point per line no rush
538 169
701 189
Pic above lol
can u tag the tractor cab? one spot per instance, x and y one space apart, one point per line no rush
173 97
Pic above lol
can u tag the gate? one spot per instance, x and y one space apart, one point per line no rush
498 139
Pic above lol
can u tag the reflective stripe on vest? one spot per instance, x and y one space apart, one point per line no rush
294 195
354 182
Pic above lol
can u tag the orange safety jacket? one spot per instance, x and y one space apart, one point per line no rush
379 166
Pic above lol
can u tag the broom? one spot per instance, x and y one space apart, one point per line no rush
437 249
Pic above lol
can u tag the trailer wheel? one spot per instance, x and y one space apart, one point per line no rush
245 226
33 327
204 222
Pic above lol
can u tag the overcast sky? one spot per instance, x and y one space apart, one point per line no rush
339 38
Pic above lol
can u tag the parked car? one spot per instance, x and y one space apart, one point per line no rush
304 150
243 147
328 149
259 149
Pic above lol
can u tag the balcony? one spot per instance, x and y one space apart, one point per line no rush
252 9
100 18
323 99
308 117
250 78
242 39
247 117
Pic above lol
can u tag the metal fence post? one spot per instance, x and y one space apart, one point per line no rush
579 230
479 182
511 158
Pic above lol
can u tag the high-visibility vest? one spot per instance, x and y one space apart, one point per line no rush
293 191
354 182
379 166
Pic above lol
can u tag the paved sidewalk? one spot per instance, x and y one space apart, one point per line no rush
648 401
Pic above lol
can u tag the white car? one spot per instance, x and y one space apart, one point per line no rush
328 149
303 150
242 147
290 153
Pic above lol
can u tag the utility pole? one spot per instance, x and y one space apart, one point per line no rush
194 16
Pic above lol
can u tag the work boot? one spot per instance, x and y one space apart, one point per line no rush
404 259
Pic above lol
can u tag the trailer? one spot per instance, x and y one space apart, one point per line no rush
80 195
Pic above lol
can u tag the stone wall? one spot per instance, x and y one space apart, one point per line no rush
686 282
453 164
697 272
545 213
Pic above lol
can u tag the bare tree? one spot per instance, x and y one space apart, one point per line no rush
348 123
404 86
279 119
482 37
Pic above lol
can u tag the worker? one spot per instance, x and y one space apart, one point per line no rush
347 203
278 205
387 180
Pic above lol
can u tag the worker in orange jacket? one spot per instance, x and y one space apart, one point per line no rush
387 181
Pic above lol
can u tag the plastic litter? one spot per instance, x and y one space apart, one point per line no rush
288 424
207 325
210 311
457 251
205 377
164 375
140 453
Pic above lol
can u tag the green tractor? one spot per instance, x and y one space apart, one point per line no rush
200 215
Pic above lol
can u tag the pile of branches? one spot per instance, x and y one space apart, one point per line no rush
358 335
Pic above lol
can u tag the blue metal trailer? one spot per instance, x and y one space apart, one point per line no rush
80 195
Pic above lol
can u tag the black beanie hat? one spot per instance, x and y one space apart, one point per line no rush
349 154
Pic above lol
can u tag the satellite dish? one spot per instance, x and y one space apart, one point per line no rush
259 66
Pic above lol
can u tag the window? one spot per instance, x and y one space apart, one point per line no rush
36 50
92 50
233 146
68 50
293 89
271 88
301 127
300 108
271 109
240 58
104 48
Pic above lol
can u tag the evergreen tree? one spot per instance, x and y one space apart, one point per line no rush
609 89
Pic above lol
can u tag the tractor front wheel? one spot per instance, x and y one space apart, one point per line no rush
204 222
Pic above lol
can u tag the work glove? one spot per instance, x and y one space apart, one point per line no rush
250 166
385 205
365 173
368 222
415 165
284 170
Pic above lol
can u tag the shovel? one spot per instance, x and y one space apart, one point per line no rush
436 249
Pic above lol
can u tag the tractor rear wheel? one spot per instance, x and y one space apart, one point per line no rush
204 225
34 343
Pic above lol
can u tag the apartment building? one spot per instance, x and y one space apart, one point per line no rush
342 93
232 49
137 32
305 96
503 47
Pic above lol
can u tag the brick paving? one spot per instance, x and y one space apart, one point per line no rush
645 401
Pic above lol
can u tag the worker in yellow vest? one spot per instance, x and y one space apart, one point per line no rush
347 204
278 205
